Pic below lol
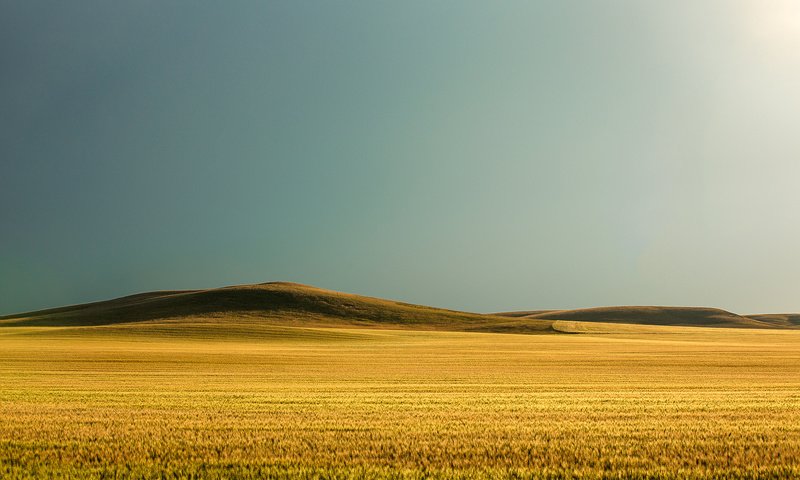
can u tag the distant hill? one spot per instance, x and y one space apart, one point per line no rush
785 320
275 303
674 316
252 307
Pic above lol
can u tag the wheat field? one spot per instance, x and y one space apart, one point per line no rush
176 400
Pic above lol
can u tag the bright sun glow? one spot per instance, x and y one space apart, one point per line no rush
775 23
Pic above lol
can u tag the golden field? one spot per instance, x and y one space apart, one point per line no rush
245 399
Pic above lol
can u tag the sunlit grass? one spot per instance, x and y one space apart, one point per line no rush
164 400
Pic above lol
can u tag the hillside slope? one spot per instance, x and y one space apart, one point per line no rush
249 308
272 303
645 315
781 320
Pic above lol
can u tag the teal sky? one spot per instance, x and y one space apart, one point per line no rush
474 155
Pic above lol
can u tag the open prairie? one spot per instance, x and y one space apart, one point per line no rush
573 225
180 399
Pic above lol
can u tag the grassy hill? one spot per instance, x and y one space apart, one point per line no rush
784 320
673 316
258 309
277 303
283 380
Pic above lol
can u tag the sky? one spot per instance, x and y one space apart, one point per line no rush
474 155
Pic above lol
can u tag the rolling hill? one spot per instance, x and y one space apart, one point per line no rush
259 308
667 316
785 320
276 303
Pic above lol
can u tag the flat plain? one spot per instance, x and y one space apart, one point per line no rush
245 398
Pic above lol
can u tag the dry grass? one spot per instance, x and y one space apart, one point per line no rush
170 400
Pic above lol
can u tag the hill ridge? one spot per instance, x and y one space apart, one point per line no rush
658 315
299 304
284 303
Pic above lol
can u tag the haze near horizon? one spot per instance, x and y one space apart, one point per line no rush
476 156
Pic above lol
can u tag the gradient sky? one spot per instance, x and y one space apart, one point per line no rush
474 155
